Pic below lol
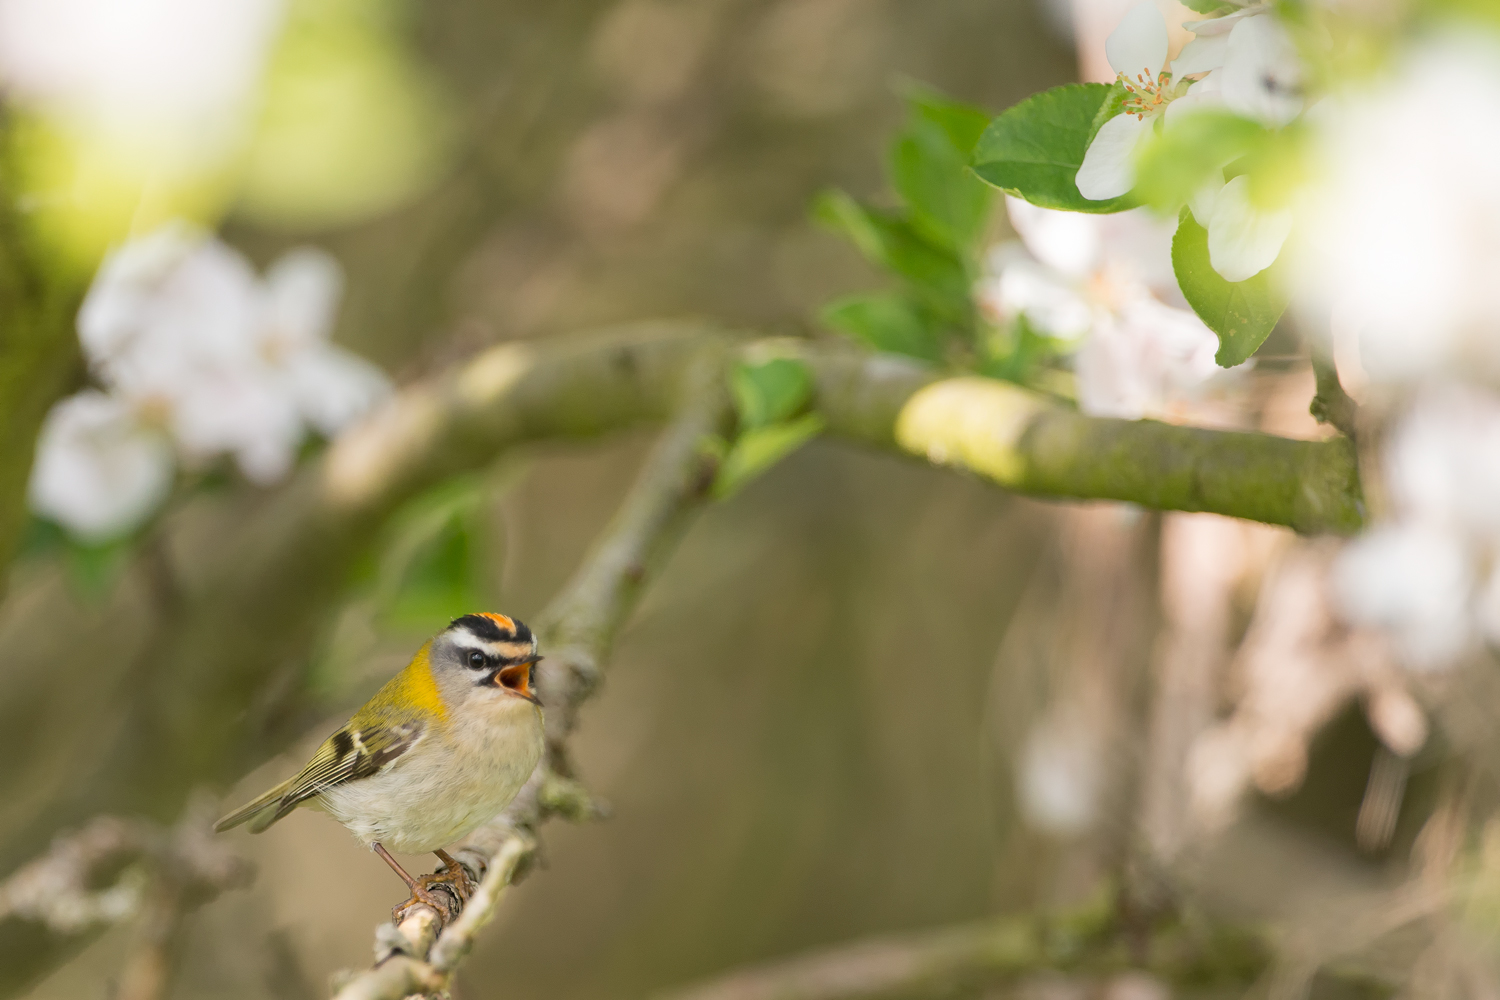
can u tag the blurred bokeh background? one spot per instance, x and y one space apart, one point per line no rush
866 695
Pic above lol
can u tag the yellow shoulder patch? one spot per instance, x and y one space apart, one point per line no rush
416 688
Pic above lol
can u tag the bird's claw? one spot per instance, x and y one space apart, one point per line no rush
454 887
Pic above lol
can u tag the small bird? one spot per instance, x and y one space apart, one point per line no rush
441 748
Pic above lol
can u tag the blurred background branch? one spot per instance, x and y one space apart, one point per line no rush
1086 944
113 871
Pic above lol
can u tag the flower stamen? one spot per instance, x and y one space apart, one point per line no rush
1147 94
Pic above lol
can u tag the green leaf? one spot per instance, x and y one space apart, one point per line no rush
1034 149
432 568
95 568
1114 102
1242 313
930 170
771 391
936 273
886 321
1209 8
759 449
1177 161
964 123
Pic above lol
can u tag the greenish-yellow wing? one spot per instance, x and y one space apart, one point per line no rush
354 752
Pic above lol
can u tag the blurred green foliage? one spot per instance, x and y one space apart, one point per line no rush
351 125
432 565
934 245
769 395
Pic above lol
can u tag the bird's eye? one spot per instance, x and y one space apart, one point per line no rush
476 659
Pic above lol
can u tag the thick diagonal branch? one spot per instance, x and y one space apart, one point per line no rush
577 631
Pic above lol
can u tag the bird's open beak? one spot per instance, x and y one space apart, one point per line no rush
516 679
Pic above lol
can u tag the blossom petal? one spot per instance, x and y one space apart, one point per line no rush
202 308
333 387
1223 25
1139 43
1108 168
303 288
1262 73
1415 580
1202 54
118 300
245 413
1067 241
1243 240
1201 201
98 472
1142 359
1045 298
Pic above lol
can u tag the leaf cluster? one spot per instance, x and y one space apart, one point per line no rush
1034 149
770 398
932 244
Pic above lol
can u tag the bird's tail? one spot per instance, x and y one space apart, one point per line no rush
261 811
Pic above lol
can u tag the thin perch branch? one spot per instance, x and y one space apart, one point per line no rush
577 631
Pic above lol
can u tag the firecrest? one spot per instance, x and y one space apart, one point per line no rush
441 748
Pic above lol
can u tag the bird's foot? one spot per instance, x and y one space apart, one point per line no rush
455 875
445 901
453 888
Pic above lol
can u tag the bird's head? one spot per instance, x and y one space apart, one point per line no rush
487 656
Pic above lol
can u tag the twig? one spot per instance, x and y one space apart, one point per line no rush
1330 403
577 631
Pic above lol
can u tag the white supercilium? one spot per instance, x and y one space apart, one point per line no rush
1105 283
200 356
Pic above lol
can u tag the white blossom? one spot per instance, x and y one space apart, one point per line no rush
1414 580
1137 51
1418 574
1104 282
1252 62
1398 242
178 326
101 468
1059 776
330 386
183 70
1243 238
1252 68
